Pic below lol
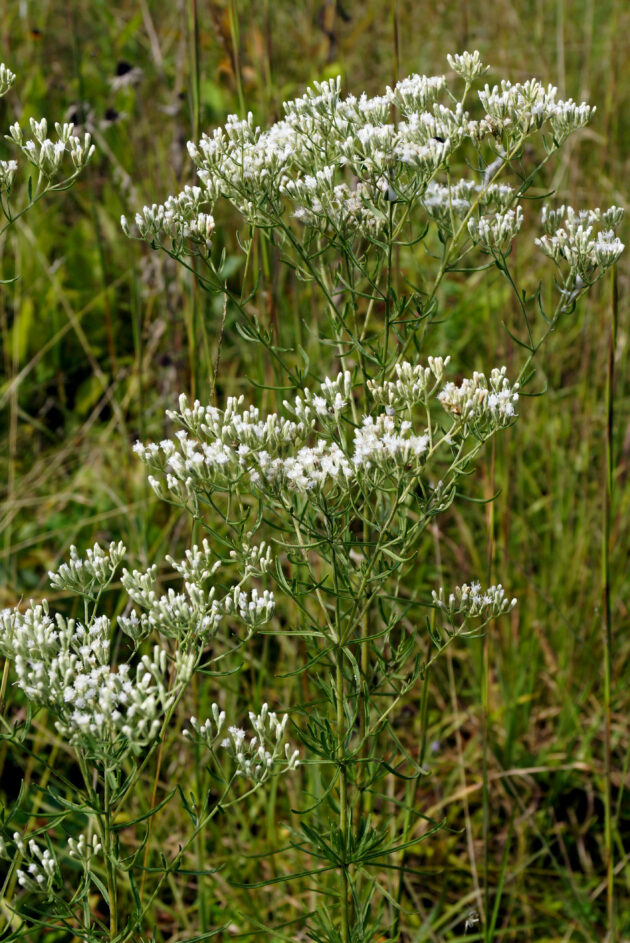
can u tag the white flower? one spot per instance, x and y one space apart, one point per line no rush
414 384
385 443
414 93
256 758
497 231
41 866
485 403
8 169
82 575
7 78
83 850
570 239
470 601
468 65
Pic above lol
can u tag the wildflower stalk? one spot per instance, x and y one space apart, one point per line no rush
110 855
411 789
154 789
3 683
343 791
175 862
607 633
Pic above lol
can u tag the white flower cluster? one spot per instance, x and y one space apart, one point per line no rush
209 730
340 162
47 155
194 614
253 560
231 425
445 203
8 170
425 141
468 65
473 602
326 406
495 233
172 614
235 442
441 201
310 469
42 870
65 666
180 218
385 443
7 78
82 849
197 565
415 92
255 758
413 384
216 449
482 403
570 238
322 204
229 442
253 608
83 575
523 108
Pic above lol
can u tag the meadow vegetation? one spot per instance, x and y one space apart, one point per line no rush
473 773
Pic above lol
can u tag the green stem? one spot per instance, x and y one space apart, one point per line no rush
607 622
343 791
388 303
236 54
112 890
3 683
452 245
183 848
410 794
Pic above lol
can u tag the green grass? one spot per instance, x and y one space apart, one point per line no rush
99 336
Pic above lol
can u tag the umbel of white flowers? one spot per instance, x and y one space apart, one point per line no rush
336 163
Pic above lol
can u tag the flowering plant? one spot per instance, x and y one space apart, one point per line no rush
339 479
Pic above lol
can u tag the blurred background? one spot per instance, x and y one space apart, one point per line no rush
99 336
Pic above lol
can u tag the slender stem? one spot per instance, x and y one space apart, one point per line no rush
410 794
183 848
334 630
3 683
104 819
363 695
450 246
485 704
201 850
153 800
396 41
607 621
236 54
388 302
112 890
343 791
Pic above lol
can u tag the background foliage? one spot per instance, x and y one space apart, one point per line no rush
99 335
